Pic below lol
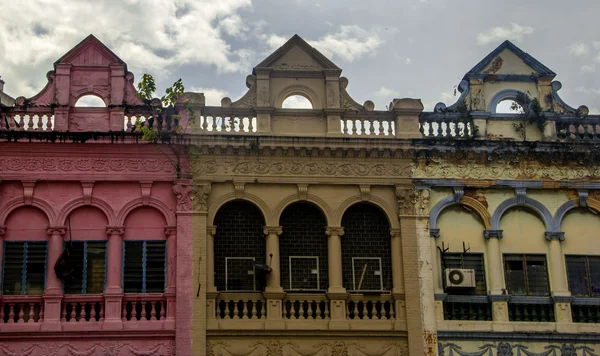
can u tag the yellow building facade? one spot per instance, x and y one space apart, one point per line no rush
343 230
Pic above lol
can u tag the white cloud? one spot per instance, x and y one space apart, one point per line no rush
212 96
591 91
296 102
588 68
498 34
153 36
387 92
597 45
349 44
579 49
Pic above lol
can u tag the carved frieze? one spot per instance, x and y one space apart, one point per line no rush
507 349
85 349
200 197
291 348
48 164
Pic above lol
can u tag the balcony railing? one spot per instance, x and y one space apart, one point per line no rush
475 308
449 127
21 309
306 307
585 310
82 309
370 307
144 308
531 309
240 306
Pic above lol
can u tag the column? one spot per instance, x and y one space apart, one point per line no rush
413 213
170 291
211 289
53 293
398 279
558 278
113 294
438 289
336 292
2 232
497 291
272 249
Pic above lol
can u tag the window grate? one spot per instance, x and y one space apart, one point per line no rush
472 261
367 274
583 274
304 273
239 274
144 266
526 275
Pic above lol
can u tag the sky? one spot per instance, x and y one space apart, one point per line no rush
386 48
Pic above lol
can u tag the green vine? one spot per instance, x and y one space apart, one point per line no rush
531 108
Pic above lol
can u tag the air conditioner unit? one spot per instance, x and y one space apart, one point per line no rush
460 278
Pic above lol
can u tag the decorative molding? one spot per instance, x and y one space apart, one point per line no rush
583 197
334 231
183 193
315 348
115 230
28 187
395 232
2 231
555 235
412 202
170 231
302 192
146 188
504 348
272 230
520 195
522 200
300 168
239 188
84 349
200 197
435 233
56 230
86 188
488 234
115 165
211 230
365 192
459 192
562 299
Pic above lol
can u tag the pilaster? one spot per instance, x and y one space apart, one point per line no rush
53 293
113 294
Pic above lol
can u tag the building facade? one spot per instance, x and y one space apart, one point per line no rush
336 230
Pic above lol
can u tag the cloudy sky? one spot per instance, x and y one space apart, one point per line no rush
386 48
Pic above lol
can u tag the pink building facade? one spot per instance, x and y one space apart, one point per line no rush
115 202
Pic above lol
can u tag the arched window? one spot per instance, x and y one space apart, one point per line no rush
296 102
239 244
508 106
366 246
303 248
90 101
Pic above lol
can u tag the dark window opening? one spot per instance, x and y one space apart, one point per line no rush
472 261
583 274
144 266
24 270
526 275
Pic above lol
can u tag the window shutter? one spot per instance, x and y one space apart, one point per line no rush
594 265
95 267
36 267
14 254
515 274
133 267
577 275
155 266
537 275
74 284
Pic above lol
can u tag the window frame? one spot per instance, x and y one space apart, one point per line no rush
253 259
24 266
314 258
84 272
354 281
144 265
590 293
523 259
443 266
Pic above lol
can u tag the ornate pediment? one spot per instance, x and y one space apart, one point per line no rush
90 52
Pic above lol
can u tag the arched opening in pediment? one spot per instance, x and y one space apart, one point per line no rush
509 106
90 101
297 102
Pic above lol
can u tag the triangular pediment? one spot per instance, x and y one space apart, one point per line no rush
508 59
297 54
90 52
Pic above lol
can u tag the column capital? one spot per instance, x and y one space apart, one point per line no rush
2 231
272 230
412 201
555 235
56 230
333 230
211 230
435 233
170 230
115 230
488 234
395 232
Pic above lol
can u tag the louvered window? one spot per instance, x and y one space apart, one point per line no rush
144 266
583 273
526 274
472 261
89 258
24 268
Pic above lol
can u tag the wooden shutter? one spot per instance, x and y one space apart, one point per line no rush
14 254
155 266
133 268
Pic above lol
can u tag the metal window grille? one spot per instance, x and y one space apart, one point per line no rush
468 261
583 273
367 274
239 274
304 273
526 274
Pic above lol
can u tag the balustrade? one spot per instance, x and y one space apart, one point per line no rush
369 127
578 129
241 306
143 308
82 308
531 309
370 307
21 309
467 308
305 307
27 121
585 310
433 126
